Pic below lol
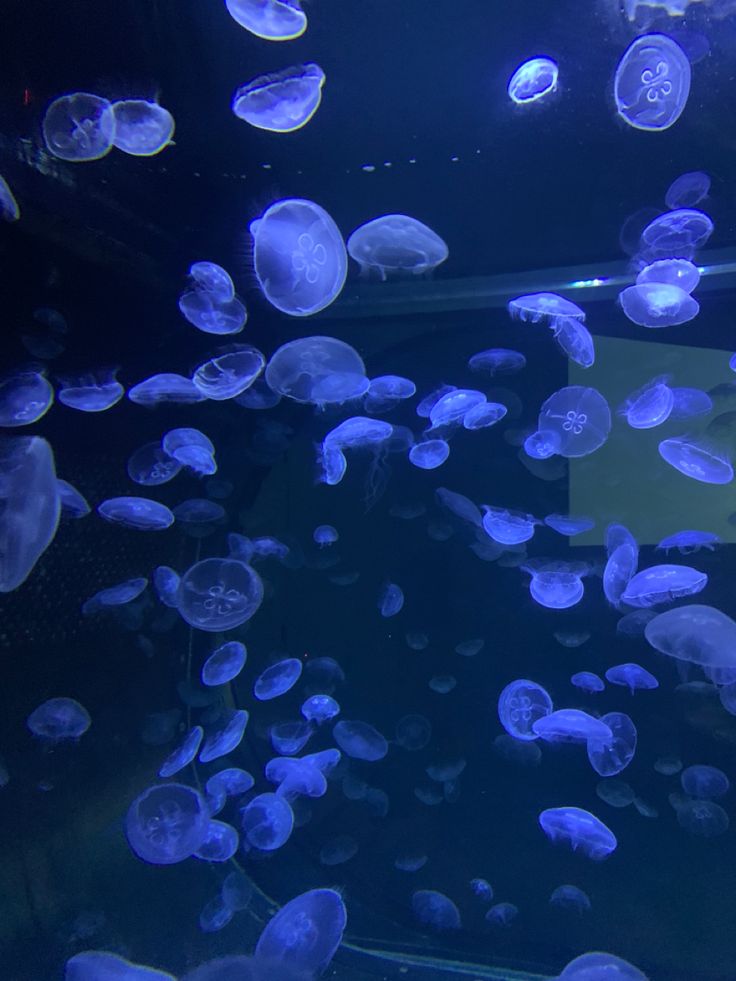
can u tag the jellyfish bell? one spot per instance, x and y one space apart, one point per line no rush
79 127
700 459
533 80
652 83
272 20
395 244
658 304
283 101
142 128
318 370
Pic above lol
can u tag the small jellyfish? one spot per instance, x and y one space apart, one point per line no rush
673 272
165 387
575 341
443 684
219 594
451 408
483 415
569 524
435 910
687 190
184 754
688 542
533 80
587 681
396 244
191 448
59 719
224 664
25 397
497 361
703 818
390 599
520 705
658 305
571 726
571 638
267 822
231 781
281 101
429 454
360 741
544 308
325 535
277 679
166 583
697 459
386 392
236 891
320 708
79 127
648 406
118 595
610 756
142 128
555 585
542 445
317 370
704 782
220 843
502 914
663 584
413 732
140 513
299 257
288 738
167 823
632 676
508 527
580 419
230 374
570 898
690 402
93 392
580 829
469 648
273 20
211 314
652 83
9 209
338 850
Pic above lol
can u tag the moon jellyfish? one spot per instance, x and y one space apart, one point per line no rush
676 233
469 648
687 542
568 524
413 732
704 782
142 128
273 20
184 754
219 594
497 361
616 793
230 374
390 599
571 726
609 757
597 966
220 843
508 527
338 850
587 681
673 272
697 459
79 127
570 898
191 448
429 454
282 101
303 936
166 583
320 708
652 82
580 830
544 308
502 914
211 314
533 80
59 719
542 445
360 741
9 209
663 584
658 305
649 406
211 278
140 513
451 408
94 392
165 387
354 433
687 190
690 402
396 244
703 818
73 503
99 965
555 585
277 679
226 737
520 705
224 664
29 506
24 398
387 391
167 823
288 738
317 370
119 595
325 535
575 341
435 910
632 676
579 417
231 781
267 822
299 256
701 634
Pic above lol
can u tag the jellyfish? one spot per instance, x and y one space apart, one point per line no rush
211 314
184 754
652 83
544 308
697 633
497 361
100 965
429 454
578 417
520 705
443 684
360 740
452 407
598 966
225 737
426 404
687 190
672 272
142 128
167 823
571 726
395 244
73 504
698 459
568 524
9 209
191 448
390 599
533 80
587 681
658 305
236 891
299 257
386 391
469 648
502 914
139 513
224 664
663 584
569 897
704 782
632 676
649 406
277 679
231 781
320 708
267 822
59 719
273 20
220 843
703 818
317 370
555 585
580 829
508 527
325 535
219 594
165 387
281 101
690 402
166 583
288 738
575 341
212 278
676 233
413 732
609 757
93 392
230 374
79 127
118 595
687 542
434 909
303 936
25 397
542 444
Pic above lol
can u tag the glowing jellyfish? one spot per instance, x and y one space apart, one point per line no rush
555 585
118 595
676 233
544 308
387 391
282 101
167 823
652 82
59 719
73 503
687 542
571 726
450 408
520 705
299 256
429 454
225 737
580 829
320 708
508 527
501 914
687 190
580 419
277 679
396 244
79 127
497 361
587 681
360 740
142 128
697 633
704 782
219 594
9 209
211 278
211 314
25 398
597 966
658 305
569 524
267 822
165 387
632 676
150 466
542 444
390 599
318 370
325 535
435 910
697 459
140 513
224 663
690 402
273 20
663 584
575 341
93 392
184 754
673 272
229 375
533 80
301 939
191 448
649 406
231 781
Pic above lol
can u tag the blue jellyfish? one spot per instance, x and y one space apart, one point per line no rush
616 793
396 244
288 738
390 599
451 408
303 936
166 583
587 681
338 850
99 965
579 417
697 633
184 754
663 584
325 535
167 823
508 527
225 737
267 822
555 585
25 397
672 272
192 449
425 405
260 396
658 305
220 843
273 20
435 910
320 708
140 513
317 370
142 128
483 415
690 402
118 595
9 209
544 308
212 278
542 444
469 648
687 190
299 257
413 732
215 916
199 516
501 914
652 82
703 818
442 683
569 524
687 542
497 361
79 127
230 374
386 391
211 314
610 756
676 233
698 459
232 782
429 454
277 679
59 719
598 966
410 861
533 80
281 101
571 726
632 676
73 503
619 569
224 664
704 782
219 594
93 392
575 340
482 889
165 387
650 405
359 740
520 705
569 897
580 829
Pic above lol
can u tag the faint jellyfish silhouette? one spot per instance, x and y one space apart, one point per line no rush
273 20
703 818
167 823
338 850
569 897
219 594
225 736
579 417
299 256
502 914
396 244
413 732
520 705
79 127
687 542
690 402
587 681
658 305
302 370
303 936
533 80
142 128
580 830
267 822
360 740
704 782
699 459
697 633
25 397
166 583
568 524
435 910
118 595
497 361
9 209
281 101
652 82
390 599
184 754
325 535
73 503
687 190
59 719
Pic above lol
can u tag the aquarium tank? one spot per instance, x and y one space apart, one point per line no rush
367 502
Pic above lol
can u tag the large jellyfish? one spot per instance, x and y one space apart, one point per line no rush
142 128
652 82
578 417
319 370
79 127
396 244
281 101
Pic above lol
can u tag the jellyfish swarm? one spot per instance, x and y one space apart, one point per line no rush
578 419
282 101
533 80
652 83
299 256
396 244
79 127
697 459
273 20
142 128
580 829
167 823
658 305
317 370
